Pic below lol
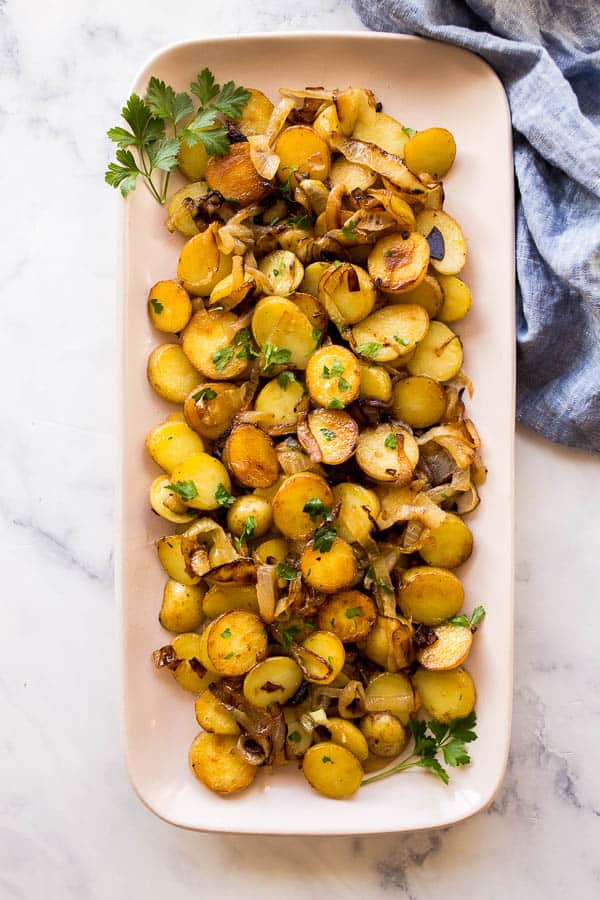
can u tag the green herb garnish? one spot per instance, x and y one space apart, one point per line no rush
274 356
248 529
295 737
315 508
229 655
324 537
409 132
328 433
335 404
286 571
221 358
156 306
226 633
288 635
476 619
223 497
402 341
353 612
187 490
391 441
349 230
301 221
204 395
327 759
317 334
284 379
370 349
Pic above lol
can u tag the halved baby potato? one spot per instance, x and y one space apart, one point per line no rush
313 309
329 571
171 373
235 177
350 615
385 735
457 299
419 401
301 149
384 131
284 271
190 674
389 644
283 398
344 734
212 715
215 761
180 211
431 151
329 648
169 306
272 551
449 651
332 770
209 408
347 293
387 452
335 433
170 444
251 457
351 175
192 161
445 695
250 506
333 376
312 276
280 323
181 610
235 643
375 383
171 559
391 332
439 354
292 497
256 113
222 598
398 262
358 511
201 264
207 475
427 294
208 344
275 680
449 545
430 594
167 504
391 692
447 246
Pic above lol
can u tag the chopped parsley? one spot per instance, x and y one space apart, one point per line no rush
229 655
295 737
349 230
335 404
248 529
409 132
222 358
337 263
204 395
226 633
284 379
328 433
391 441
223 497
286 571
289 635
370 349
274 356
187 490
343 385
302 221
315 508
317 334
324 537
476 619
353 612
156 306
402 341
327 759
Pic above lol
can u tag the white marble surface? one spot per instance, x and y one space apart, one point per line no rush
70 826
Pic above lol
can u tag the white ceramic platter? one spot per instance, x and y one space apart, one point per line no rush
423 83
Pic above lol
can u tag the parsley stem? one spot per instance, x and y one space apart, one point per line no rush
408 763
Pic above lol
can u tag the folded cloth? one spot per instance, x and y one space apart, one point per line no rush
547 53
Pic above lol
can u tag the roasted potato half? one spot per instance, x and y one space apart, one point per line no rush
291 498
439 355
215 762
350 615
181 207
169 306
330 434
171 442
181 609
235 177
447 246
208 342
329 571
170 373
332 770
448 545
390 332
419 401
347 293
235 642
284 333
301 149
251 457
201 264
431 151
430 594
333 376
387 453
451 648
445 695
209 408
398 262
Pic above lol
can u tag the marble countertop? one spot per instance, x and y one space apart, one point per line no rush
71 827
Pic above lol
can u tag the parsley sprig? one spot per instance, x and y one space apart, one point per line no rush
476 619
151 143
432 738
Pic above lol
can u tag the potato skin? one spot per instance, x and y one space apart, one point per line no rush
217 764
329 572
234 175
275 680
419 401
212 716
332 770
172 561
169 306
290 499
211 417
250 505
207 334
333 615
181 609
432 151
251 457
430 594
439 354
445 695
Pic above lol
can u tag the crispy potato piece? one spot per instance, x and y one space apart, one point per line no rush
169 306
170 373
275 680
234 176
255 114
250 505
209 409
352 105
251 457
350 615
284 271
419 401
170 443
385 735
384 131
201 264
332 770
279 322
344 734
189 673
207 343
449 545
430 594
457 299
359 508
351 175
179 214
172 561
283 397
427 294
398 263
347 293
291 498
192 161
328 647
167 504
312 276
222 598
300 148
333 375
449 651
389 643
327 124
332 571
272 551
449 250
445 695
375 383
439 354
212 715
387 453
229 294
216 762
391 692
312 308
335 433
432 151
207 474
391 332
181 609
235 642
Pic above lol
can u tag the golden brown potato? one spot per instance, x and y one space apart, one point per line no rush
332 770
334 432
375 383
448 249
445 695
391 692
312 276
344 734
284 333
216 762
457 299
206 475
170 443
301 149
328 647
235 177
431 151
449 545
222 598
192 161
347 293
172 561
208 342
351 175
427 294
170 373
167 504
439 355
329 571
283 399
255 114
389 643
419 401
398 263
384 131
250 509
181 609
292 497
210 407
275 680
235 642
201 264
169 306
385 735
358 511
450 650
350 615
313 309
391 332
212 715
333 376
189 673
272 551
251 457
387 453
430 594
283 270
181 207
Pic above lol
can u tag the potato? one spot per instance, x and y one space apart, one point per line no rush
439 355
251 457
457 299
279 323
333 376
212 715
190 674
208 342
359 508
389 643
391 692
201 264
283 397
449 545
235 642
384 131
328 647
387 453
449 651
347 293
385 735
327 124
210 407
398 262
172 561
229 294
291 498
391 332
332 770
255 114
207 474
216 762
167 504
427 294
335 433
352 105
246 507
301 149
180 210
170 373
235 177
351 175
313 309
344 734
375 383
222 598
445 695
432 151
170 443
169 306
448 249
312 276
350 615
329 571
284 271
181 608
275 680
430 594
192 161
419 401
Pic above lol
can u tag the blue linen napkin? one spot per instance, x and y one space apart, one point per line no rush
547 53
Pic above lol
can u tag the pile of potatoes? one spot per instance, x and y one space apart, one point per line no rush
318 463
